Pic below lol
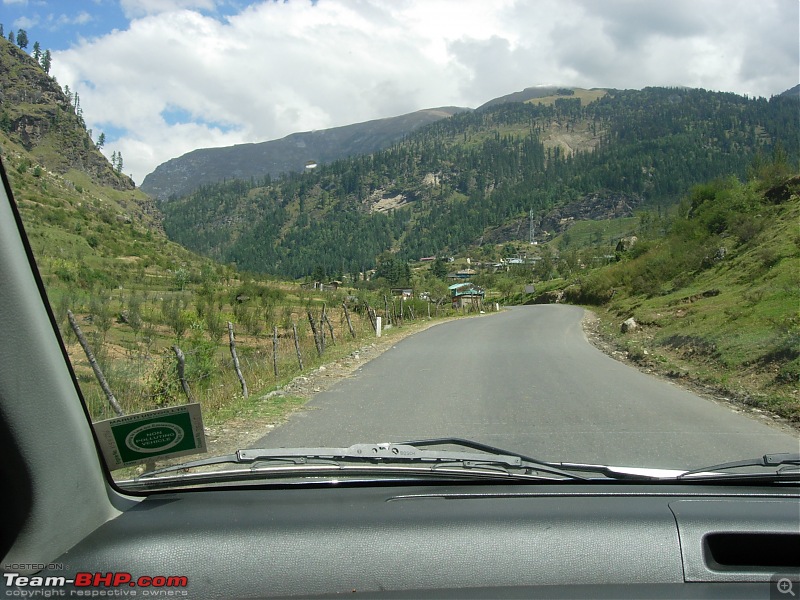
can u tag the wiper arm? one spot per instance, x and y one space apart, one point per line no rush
408 453
778 462
565 469
533 463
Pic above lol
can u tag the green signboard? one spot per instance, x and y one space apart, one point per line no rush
133 439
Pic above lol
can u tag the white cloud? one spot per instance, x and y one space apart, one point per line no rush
276 68
82 18
25 22
140 8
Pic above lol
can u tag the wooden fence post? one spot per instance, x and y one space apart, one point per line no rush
95 367
322 328
330 328
297 347
371 315
236 360
314 331
275 350
182 373
347 318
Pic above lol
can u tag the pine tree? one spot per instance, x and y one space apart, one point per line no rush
37 51
101 141
22 39
79 110
46 61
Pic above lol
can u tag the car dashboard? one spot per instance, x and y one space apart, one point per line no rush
457 541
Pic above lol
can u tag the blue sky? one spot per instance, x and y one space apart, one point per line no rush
165 77
59 24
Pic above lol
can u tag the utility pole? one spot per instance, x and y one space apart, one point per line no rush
533 229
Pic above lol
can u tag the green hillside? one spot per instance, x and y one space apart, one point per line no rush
714 289
475 176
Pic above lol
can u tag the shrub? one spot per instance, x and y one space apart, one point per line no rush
597 288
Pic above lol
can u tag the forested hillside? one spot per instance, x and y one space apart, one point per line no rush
459 181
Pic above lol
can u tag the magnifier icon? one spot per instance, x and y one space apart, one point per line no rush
785 586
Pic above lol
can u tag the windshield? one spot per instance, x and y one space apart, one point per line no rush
549 241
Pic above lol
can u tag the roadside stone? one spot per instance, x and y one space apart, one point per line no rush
629 325
677 373
626 243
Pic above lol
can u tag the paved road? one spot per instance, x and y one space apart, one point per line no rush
528 380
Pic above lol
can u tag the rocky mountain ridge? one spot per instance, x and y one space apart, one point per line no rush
293 153
39 116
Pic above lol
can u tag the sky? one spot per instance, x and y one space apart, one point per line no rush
164 77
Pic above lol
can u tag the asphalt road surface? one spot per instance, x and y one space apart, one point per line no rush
527 380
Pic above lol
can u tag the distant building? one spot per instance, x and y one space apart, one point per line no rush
403 293
462 274
466 294
318 285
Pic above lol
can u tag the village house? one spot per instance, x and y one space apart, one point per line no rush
462 274
404 293
466 294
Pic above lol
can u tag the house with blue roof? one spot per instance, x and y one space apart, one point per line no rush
466 294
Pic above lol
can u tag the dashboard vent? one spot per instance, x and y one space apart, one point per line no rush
744 551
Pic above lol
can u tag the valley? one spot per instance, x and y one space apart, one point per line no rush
688 173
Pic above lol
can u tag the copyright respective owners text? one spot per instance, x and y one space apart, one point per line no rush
785 586
113 584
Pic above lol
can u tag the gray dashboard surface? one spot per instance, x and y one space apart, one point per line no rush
377 540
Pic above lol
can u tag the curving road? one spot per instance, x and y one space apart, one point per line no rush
527 380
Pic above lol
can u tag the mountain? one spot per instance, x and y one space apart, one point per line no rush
37 114
182 175
87 223
473 178
793 92
538 93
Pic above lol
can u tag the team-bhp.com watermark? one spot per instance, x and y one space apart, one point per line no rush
95 585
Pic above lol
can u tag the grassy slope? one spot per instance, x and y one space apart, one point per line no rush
730 323
84 234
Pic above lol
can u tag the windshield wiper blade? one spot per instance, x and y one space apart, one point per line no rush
533 463
777 462
403 453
